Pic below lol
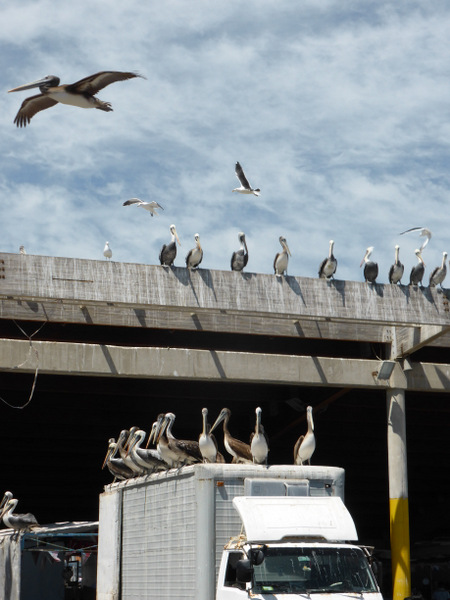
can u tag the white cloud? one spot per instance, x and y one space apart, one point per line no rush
339 113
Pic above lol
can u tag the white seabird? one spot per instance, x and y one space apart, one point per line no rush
245 187
150 206
107 252
423 232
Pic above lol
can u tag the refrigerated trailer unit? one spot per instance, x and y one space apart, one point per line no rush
163 535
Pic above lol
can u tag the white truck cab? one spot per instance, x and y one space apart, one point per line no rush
295 547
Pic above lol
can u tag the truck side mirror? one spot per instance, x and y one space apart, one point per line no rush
257 555
244 570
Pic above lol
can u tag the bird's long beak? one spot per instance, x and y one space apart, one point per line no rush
130 444
29 86
108 456
178 239
362 262
219 420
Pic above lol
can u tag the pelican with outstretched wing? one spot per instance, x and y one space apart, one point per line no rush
81 93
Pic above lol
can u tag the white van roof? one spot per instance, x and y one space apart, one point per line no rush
273 518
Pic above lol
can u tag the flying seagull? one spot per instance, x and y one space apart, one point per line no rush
81 93
423 232
245 188
150 206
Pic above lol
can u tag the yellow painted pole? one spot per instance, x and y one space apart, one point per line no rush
398 495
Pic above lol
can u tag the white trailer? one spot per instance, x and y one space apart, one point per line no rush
163 535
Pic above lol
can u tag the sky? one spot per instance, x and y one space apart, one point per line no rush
338 111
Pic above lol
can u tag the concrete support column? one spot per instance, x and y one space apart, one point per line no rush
398 494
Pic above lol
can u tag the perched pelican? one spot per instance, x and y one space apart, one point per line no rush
81 93
150 206
423 232
6 497
328 266
169 251
396 270
370 267
245 188
306 444
258 441
116 466
194 257
439 273
122 444
239 258
181 452
107 252
240 451
207 442
418 270
22 250
149 459
281 260
18 522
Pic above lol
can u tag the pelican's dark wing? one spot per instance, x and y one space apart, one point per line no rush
94 83
31 106
242 178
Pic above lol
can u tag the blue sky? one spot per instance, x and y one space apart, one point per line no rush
339 112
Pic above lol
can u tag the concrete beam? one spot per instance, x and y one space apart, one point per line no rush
42 278
406 340
64 358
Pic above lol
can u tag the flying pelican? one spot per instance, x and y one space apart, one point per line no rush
185 452
306 444
418 270
245 188
439 273
280 262
370 267
18 522
239 259
149 459
258 441
396 270
423 232
207 442
150 206
169 251
81 93
328 266
116 466
240 451
107 252
194 257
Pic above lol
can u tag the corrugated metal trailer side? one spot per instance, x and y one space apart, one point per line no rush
162 536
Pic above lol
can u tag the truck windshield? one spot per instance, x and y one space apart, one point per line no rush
314 570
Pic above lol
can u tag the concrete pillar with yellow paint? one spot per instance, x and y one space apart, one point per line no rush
398 494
